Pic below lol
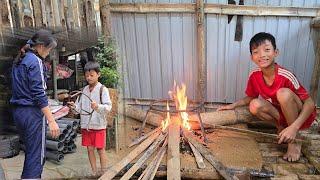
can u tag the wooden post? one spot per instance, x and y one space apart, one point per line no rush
173 157
55 58
202 76
37 14
315 74
105 17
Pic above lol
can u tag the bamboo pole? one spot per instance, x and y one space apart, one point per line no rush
202 70
114 170
261 134
173 158
210 8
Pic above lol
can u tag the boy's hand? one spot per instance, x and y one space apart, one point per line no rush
287 135
71 105
227 107
94 105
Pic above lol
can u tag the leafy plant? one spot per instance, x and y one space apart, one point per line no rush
107 58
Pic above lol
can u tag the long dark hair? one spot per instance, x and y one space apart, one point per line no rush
43 37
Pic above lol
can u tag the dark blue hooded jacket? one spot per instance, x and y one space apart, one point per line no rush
29 82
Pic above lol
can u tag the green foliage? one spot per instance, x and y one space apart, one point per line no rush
109 77
107 58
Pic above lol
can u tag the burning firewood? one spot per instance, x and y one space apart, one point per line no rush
229 117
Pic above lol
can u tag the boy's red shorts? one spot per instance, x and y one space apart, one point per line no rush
94 138
307 123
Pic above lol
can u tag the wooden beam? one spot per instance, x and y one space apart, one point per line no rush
314 85
202 70
43 13
105 17
173 156
215 9
115 169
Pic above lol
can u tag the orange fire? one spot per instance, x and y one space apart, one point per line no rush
165 122
181 102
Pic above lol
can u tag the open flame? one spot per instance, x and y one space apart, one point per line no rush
165 123
181 102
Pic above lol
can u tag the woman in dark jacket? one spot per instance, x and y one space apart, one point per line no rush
30 103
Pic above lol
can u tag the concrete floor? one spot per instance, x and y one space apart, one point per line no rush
74 165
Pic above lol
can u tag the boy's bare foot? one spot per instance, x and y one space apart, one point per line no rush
293 152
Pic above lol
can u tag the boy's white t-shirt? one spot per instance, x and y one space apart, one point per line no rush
97 119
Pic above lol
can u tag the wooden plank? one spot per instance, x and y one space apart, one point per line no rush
5 13
216 9
114 170
138 140
144 157
315 74
153 167
56 14
173 156
36 4
224 171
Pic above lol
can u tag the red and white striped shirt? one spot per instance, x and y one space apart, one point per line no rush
256 85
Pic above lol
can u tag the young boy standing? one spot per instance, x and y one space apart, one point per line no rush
93 126
274 94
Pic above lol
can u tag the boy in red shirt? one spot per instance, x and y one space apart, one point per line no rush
274 94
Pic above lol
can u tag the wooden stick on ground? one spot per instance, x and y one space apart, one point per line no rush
223 170
138 140
152 168
144 157
115 169
198 157
173 158
272 136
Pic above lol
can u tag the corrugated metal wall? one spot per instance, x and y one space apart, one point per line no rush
157 48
